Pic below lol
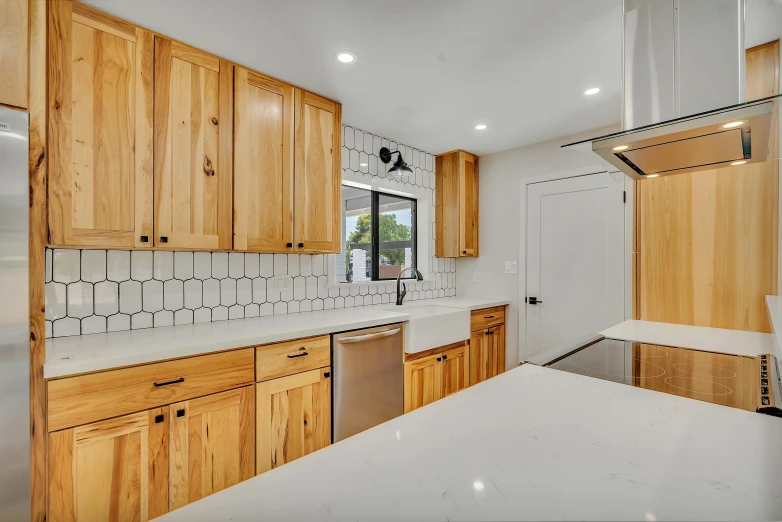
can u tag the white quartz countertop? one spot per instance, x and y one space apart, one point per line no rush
737 342
531 444
88 353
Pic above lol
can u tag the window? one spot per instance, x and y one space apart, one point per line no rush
380 236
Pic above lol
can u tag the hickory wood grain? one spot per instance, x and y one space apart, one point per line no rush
293 417
317 174
263 169
193 169
14 30
91 397
212 444
110 470
100 129
289 357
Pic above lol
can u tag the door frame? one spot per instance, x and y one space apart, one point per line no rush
524 183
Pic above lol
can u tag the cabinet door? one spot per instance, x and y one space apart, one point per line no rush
468 205
480 348
263 163
454 371
100 129
293 418
212 444
421 382
115 469
497 351
193 147
318 176
447 205
13 52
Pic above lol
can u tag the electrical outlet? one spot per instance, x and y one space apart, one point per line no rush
476 276
511 267
283 282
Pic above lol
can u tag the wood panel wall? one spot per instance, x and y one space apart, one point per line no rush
707 241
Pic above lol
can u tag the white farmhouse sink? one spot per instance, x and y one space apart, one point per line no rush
432 326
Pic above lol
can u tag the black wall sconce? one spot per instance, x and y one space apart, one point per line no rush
400 167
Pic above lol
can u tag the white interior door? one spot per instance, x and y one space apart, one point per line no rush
575 260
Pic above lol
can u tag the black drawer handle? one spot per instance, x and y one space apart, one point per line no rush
159 384
302 354
489 317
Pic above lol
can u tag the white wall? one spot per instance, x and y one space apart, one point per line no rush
499 220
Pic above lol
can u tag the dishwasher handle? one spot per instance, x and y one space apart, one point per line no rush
369 337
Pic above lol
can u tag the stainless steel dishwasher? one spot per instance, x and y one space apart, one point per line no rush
368 378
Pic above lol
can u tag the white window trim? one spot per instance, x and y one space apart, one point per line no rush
423 230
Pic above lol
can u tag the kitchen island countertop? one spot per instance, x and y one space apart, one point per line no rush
531 444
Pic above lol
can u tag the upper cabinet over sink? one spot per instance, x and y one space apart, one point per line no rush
100 129
193 144
456 205
153 143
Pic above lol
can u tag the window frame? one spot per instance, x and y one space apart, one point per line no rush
375 235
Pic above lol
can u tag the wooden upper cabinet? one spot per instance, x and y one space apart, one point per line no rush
13 52
212 444
100 72
193 148
263 163
456 204
115 469
318 174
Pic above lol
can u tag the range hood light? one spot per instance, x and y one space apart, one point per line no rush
732 124
622 147
741 162
652 175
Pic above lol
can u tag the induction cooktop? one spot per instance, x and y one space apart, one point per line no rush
747 383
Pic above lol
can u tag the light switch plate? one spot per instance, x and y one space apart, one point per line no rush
283 282
511 267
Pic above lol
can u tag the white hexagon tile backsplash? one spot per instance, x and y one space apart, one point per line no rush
95 291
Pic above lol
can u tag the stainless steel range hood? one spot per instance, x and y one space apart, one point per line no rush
683 106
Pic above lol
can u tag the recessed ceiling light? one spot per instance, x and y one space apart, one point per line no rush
480 126
652 175
622 147
362 164
740 162
732 124
593 90
345 57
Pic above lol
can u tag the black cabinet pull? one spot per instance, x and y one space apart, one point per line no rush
145 239
302 354
164 239
289 245
489 317
301 245
464 251
439 359
159 384
445 357
327 374
180 413
159 419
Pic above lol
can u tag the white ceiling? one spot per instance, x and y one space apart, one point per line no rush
427 71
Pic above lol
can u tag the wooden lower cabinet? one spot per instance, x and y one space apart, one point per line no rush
139 466
115 469
293 417
487 353
435 376
212 444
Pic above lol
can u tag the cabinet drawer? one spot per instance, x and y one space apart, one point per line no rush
289 357
487 318
87 398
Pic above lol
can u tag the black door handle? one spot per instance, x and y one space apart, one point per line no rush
158 384
534 300
301 245
289 245
298 355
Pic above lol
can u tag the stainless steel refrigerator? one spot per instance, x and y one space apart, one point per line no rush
14 318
